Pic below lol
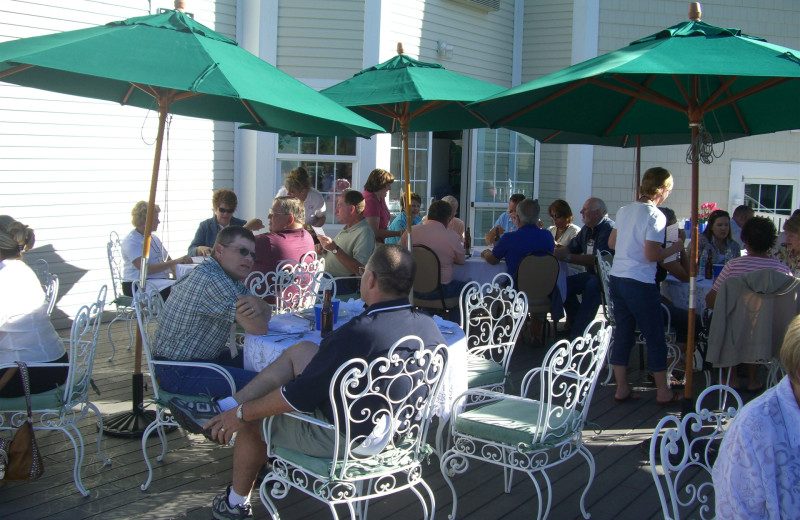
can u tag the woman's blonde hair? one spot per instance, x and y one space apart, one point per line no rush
15 237
378 178
792 224
297 180
655 179
790 351
139 213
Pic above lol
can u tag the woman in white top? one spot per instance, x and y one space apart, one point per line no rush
638 240
298 185
563 230
26 333
159 264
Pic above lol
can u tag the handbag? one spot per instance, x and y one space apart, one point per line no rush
20 458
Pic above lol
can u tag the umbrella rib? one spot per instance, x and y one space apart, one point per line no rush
641 93
252 112
427 107
18 68
476 115
552 136
625 110
548 99
771 82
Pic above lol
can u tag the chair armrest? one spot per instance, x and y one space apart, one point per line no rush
33 364
266 425
210 366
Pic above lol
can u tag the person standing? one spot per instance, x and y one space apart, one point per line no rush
638 240
298 185
376 211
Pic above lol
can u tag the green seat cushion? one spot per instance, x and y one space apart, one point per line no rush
513 423
483 372
123 301
357 468
50 400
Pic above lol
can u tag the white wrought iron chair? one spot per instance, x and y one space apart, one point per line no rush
603 262
49 283
492 316
64 406
122 304
532 434
293 286
148 306
683 453
392 392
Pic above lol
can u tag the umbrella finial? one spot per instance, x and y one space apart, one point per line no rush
400 48
695 11
180 5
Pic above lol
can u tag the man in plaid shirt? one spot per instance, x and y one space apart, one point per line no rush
197 320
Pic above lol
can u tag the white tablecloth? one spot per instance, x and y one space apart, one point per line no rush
678 292
182 270
478 269
260 351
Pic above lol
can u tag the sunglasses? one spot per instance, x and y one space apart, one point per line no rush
555 216
244 252
225 210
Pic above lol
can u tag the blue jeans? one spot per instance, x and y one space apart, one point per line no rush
581 314
639 303
185 380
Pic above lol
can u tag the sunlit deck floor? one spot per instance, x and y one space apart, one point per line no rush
195 470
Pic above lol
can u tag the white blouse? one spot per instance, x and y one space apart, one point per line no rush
26 333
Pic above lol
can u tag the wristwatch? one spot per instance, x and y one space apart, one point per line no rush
239 413
335 248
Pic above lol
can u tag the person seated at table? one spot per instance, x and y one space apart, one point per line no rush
528 237
456 224
298 185
759 235
756 471
376 211
788 248
197 321
581 251
26 333
352 246
159 263
286 239
563 230
400 221
506 222
741 214
299 380
717 239
224 203
445 243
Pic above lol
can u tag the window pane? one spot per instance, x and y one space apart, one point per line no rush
770 198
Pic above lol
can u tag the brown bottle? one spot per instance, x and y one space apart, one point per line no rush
326 316
467 243
311 232
709 265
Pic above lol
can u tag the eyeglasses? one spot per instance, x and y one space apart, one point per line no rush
244 252
225 210
555 216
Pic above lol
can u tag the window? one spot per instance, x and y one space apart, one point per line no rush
418 147
505 166
770 198
329 161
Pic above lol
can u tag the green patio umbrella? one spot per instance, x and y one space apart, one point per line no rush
170 63
412 96
673 87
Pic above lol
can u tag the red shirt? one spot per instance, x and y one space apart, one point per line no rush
374 207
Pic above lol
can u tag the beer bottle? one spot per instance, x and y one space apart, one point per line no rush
311 232
710 265
326 316
467 243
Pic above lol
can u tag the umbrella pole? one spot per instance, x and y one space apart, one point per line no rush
687 405
406 178
134 422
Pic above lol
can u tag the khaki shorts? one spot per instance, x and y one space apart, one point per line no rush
303 437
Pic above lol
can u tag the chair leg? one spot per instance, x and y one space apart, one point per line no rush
583 450
111 341
99 433
451 464
422 499
77 447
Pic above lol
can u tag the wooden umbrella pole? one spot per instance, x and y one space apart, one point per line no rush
406 177
692 311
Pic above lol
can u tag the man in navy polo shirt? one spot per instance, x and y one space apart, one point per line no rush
299 380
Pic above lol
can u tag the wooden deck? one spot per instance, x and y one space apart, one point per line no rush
195 470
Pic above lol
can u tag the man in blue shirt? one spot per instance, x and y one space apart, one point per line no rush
299 380
506 222
581 250
526 239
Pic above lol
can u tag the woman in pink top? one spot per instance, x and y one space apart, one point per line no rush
376 211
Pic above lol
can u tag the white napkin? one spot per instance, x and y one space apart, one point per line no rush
353 306
445 324
288 323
